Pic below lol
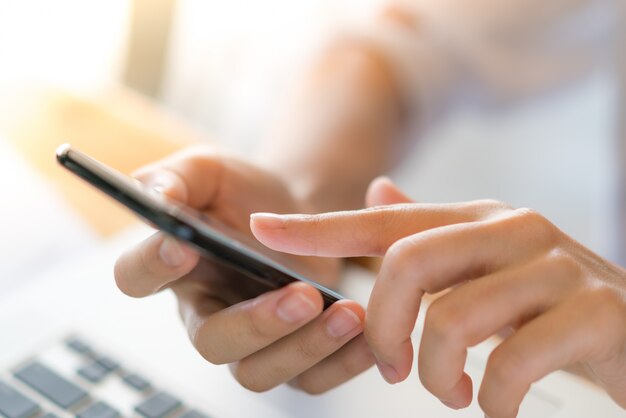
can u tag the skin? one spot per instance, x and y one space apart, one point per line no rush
278 337
298 172
504 268
264 342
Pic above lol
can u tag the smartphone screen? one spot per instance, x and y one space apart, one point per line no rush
261 269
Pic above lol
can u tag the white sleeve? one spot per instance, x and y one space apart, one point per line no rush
494 51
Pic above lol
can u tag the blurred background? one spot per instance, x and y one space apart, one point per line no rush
130 81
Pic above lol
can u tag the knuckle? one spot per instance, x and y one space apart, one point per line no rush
399 251
611 304
406 252
370 229
604 308
385 219
564 264
528 213
394 258
505 366
444 323
543 227
315 221
606 296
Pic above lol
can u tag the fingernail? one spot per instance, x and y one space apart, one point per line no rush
342 322
268 220
388 372
382 179
295 307
171 252
451 405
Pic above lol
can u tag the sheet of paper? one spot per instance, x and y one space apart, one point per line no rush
37 229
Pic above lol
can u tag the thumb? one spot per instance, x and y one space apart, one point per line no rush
164 181
382 191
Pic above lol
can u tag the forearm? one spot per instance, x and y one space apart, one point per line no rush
342 131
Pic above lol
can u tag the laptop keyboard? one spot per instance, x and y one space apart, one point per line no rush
74 379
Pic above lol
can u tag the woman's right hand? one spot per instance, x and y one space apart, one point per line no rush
280 336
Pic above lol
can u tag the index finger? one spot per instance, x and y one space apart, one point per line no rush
366 232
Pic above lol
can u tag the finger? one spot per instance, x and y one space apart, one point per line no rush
191 176
479 309
163 180
367 232
575 331
226 334
432 261
154 263
301 350
382 191
349 361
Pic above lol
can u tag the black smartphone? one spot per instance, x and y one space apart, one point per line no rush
261 269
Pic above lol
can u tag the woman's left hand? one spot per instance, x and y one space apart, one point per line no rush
506 268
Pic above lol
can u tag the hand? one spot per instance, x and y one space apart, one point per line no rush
279 336
506 267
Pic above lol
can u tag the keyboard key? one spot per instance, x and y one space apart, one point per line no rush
158 406
108 363
194 414
54 387
79 346
15 405
93 372
137 382
99 410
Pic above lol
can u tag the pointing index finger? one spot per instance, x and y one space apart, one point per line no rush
366 232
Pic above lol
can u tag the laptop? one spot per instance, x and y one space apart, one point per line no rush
72 345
